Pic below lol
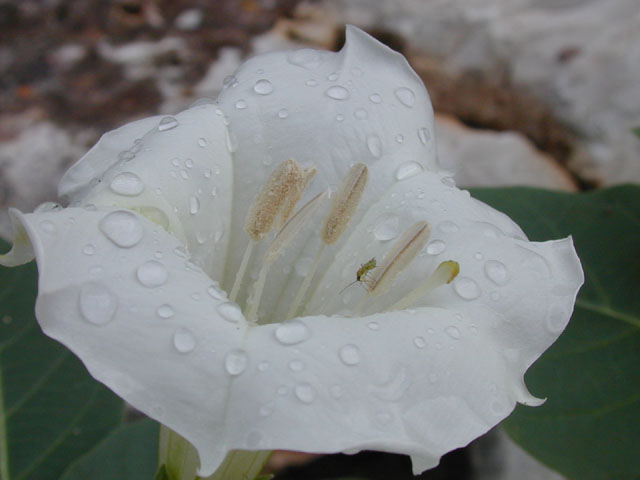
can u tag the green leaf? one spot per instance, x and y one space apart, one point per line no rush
589 426
129 453
51 410
636 131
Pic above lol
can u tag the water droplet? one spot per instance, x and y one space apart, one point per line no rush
339 117
419 342
241 104
263 87
266 409
283 390
47 207
408 170
373 326
306 58
167 123
496 272
122 228
202 101
47 226
229 81
374 144
283 113
296 365
399 138
332 77
375 98
478 256
89 249
128 184
466 288
202 142
436 247
424 135
337 92
311 83
386 227
183 340
215 292
235 362
292 332
448 181
305 393
448 227
230 312
453 332
165 311
405 96
264 366
97 304
194 205
152 274
350 355
361 114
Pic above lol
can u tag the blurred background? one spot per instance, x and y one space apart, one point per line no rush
527 92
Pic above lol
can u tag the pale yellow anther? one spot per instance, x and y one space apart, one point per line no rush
444 274
285 184
403 251
294 196
345 203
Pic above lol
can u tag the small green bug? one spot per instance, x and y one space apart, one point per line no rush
362 272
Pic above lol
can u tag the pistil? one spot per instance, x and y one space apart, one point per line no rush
444 274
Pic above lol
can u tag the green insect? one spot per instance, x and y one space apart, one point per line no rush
361 274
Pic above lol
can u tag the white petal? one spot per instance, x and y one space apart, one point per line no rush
21 251
281 107
178 173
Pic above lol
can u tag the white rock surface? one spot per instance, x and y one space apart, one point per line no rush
580 57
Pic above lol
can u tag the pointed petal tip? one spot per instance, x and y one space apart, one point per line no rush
22 250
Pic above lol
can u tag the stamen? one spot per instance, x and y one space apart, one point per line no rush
445 273
345 203
305 284
404 250
282 240
241 271
294 196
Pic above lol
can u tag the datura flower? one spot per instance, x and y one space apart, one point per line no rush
200 268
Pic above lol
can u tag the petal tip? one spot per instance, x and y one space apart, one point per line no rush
21 251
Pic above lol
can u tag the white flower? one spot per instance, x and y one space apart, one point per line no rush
150 320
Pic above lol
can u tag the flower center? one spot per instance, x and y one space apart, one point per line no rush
273 209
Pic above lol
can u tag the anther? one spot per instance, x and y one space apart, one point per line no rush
294 196
345 203
404 250
444 274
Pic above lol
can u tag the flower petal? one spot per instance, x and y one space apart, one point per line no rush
178 173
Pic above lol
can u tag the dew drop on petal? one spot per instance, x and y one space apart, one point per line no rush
283 113
375 98
448 226
47 226
466 288
361 114
235 362
405 96
167 123
264 366
229 81
230 312
337 92
453 332
128 184
478 256
194 205
419 342
436 247
387 227
122 228
152 274
496 272
292 332
97 304
165 311
215 292
448 181
305 393
89 249
183 340
296 365
373 326
349 355
374 144
424 135
202 142
263 87
408 170
241 104
305 58
311 83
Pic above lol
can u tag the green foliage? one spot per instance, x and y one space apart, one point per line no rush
51 410
588 428
129 453
636 131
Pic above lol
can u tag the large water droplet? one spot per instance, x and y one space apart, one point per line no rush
424 135
405 96
305 393
165 311
305 58
194 205
337 92
387 227
292 332
466 288
230 312
152 274
496 272
97 304
374 144
127 183
183 340
235 362
436 247
167 123
122 228
408 170
350 355
263 87
453 332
